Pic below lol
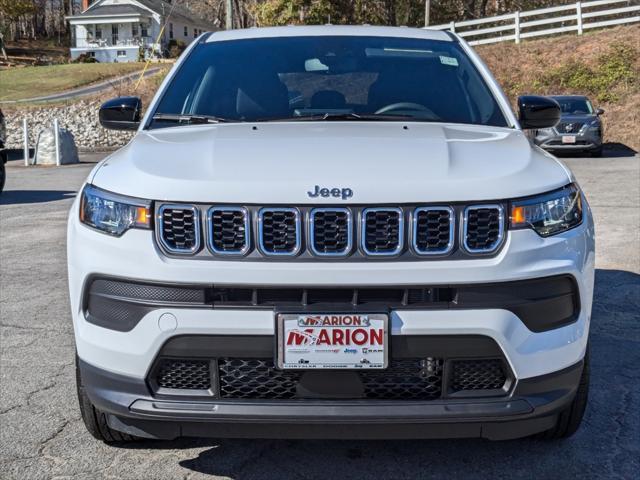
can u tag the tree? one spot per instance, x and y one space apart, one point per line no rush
19 14
14 9
375 12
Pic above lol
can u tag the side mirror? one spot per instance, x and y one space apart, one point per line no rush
599 111
538 112
122 113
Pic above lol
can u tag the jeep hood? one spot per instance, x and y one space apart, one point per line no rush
382 162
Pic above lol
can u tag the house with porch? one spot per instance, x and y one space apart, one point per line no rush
127 30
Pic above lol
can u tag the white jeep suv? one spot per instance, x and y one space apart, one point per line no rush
331 232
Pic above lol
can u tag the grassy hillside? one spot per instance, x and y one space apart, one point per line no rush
604 65
28 82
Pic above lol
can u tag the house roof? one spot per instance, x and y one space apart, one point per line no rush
161 7
179 13
121 9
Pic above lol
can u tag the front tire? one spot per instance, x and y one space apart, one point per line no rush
96 421
570 418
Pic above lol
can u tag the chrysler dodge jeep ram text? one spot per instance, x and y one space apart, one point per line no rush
331 232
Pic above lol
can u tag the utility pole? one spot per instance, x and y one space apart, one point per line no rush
229 15
427 8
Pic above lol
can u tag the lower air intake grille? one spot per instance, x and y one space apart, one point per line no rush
255 379
433 230
382 231
184 374
330 231
279 231
228 230
179 228
484 228
259 379
477 375
407 379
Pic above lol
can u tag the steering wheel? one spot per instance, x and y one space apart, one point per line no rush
405 106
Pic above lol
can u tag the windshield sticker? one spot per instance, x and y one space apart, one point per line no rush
451 61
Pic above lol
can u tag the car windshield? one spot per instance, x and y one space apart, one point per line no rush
574 105
352 78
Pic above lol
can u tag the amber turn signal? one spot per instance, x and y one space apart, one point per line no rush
143 217
517 215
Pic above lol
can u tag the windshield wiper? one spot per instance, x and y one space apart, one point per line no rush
328 116
189 119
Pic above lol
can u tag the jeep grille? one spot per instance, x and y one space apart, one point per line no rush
382 231
308 233
179 228
331 231
279 231
433 230
228 230
483 228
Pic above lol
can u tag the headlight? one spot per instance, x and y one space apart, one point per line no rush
550 213
111 213
546 132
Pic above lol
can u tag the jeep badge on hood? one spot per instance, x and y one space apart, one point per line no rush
343 193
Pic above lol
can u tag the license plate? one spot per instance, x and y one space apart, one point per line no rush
568 139
332 341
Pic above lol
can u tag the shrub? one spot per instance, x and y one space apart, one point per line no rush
85 58
613 71
175 48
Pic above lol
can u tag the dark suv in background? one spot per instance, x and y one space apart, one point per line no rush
579 130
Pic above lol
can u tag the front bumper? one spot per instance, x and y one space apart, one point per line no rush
586 141
531 408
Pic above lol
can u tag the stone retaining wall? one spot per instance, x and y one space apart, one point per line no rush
80 118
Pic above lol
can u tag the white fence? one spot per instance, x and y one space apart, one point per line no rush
575 17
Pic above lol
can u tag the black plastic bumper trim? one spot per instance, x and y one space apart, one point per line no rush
542 303
531 408
331 413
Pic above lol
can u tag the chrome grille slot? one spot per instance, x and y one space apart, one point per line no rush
179 228
382 231
483 228
433 229
279 231
330 231
228 230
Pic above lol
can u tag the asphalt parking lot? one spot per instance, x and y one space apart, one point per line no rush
42 436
